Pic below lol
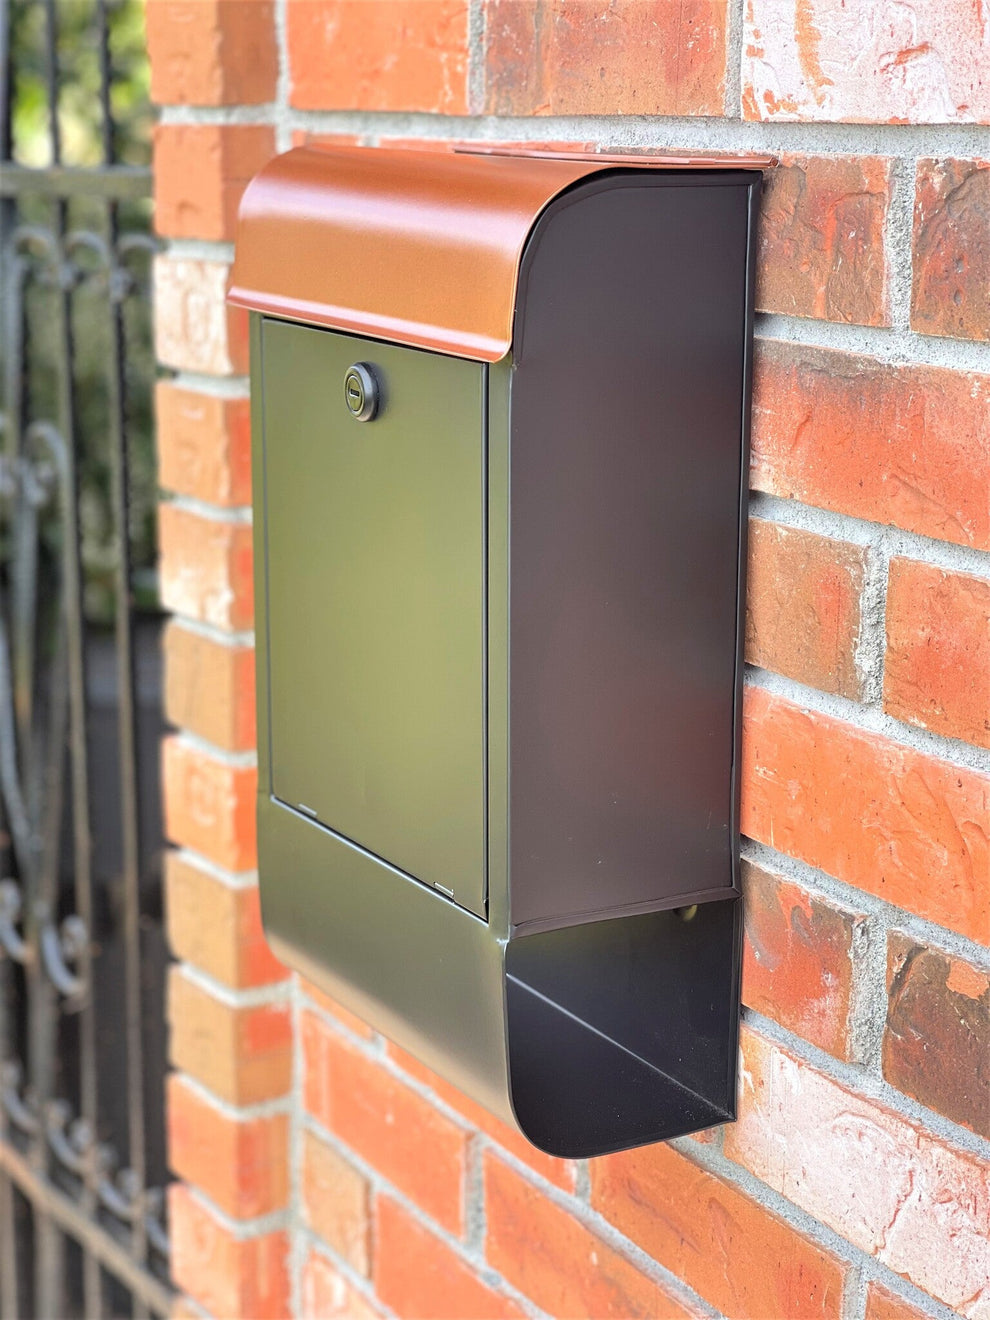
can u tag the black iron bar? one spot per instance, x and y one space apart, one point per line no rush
126 695
72 595
99 1244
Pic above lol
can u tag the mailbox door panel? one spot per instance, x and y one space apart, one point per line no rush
375 583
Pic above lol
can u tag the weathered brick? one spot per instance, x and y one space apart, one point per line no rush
803 606
336 1202
883 1305
798 959
887 1186
242 1053
209 805
951 289
217 926
950 293
341 1015
937 668
741 1258
228 1276
890 820
642 57
206 567
869 61
557 1262
905 445
212 52
327 1295
200 172
195 328
209 688
936 1046
241 1164
418 1277
557 1171
391 55
204 444
413 1145
821 244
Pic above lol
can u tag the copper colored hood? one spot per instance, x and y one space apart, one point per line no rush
417 247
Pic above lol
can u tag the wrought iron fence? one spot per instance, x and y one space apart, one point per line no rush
82 956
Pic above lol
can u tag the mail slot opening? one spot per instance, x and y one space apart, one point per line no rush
615 1029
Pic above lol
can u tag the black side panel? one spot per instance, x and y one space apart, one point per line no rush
627 411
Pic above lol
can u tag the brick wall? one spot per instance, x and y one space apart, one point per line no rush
322 1171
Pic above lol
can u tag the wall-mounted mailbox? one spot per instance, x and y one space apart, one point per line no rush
500 430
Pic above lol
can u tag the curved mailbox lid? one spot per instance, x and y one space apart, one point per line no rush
417 247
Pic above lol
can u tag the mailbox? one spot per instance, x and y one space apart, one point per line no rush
500 449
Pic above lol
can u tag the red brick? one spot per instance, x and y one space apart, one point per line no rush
639 57
798 959
195 328
883 1305
951 289
206 567
241 1164
419 1278
743 1260
822 223
336 1202
803 602
936 1045
937 669
411 1144
217 926
242 1053
560 1172
892 821
209 805
200 172
557 1262
888 1187
204 444
906 445
864 61
212 52
327 1295
337 1011
391 55
229 1276
209 688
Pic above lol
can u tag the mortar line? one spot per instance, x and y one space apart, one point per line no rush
870 719
898 543
217 513
735 38
692 132
868 1086
891 917
209 631
231 879
266 996
235 760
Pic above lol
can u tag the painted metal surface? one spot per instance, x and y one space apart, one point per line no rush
593 1002
375 551
419 248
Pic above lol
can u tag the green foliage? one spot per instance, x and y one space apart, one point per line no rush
81 131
